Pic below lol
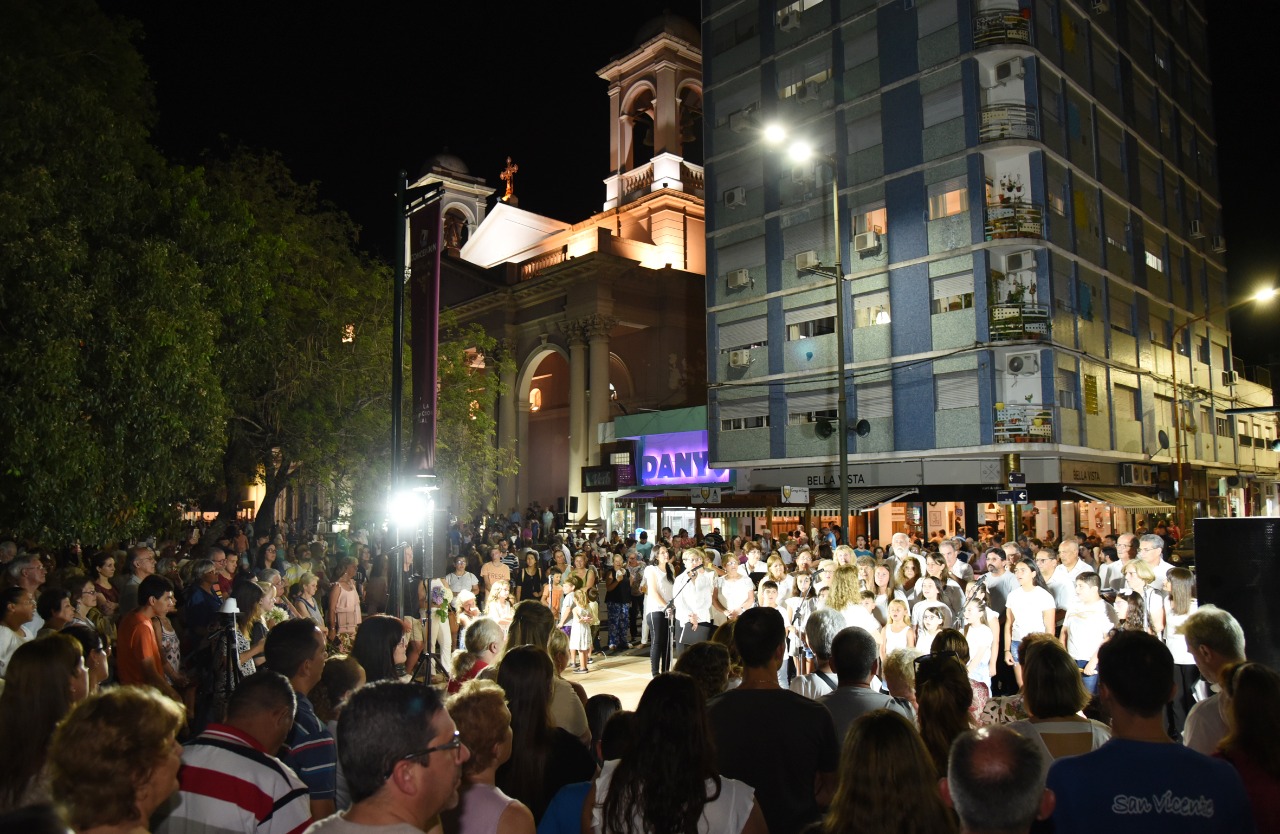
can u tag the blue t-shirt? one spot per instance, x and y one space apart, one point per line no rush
1141 786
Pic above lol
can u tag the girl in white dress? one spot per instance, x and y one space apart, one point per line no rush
584 620
982 641
932 620
734 594
898 633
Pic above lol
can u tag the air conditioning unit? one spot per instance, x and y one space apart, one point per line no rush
738 278
1020 261
735 197
807 259
789 21
802 174
1009 70
809 92
1197 231
1230 377
1022 364
739 121
866 242
1100 6
1127 475
1218 244
739 358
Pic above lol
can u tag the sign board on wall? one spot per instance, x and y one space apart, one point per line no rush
704 495
795 495
679 458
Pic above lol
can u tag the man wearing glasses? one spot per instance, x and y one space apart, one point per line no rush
1112 573
402 757
1151 551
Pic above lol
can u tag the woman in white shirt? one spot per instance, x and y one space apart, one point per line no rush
692 594
734 594
1179 605
1029 608
671 781
657 583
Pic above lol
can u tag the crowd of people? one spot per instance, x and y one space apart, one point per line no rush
799 683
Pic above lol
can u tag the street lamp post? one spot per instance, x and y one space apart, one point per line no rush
800 152
1179 480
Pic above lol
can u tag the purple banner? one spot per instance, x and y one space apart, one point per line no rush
424 339
678 458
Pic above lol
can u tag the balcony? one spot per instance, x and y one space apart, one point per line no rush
1015 218
1008 121
1023 423
664 171
1002 26
1019 321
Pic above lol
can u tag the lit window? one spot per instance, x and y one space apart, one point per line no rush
742 423
348 333
811 328
873 220
535 399
799 418
947 203
871 309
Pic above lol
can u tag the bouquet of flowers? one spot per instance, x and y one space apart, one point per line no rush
441 597
275 617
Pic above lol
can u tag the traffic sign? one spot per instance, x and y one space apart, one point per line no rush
1017 479
1011 496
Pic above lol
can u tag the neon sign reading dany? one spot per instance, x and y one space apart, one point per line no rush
679 458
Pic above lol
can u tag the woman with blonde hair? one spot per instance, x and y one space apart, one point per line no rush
776 569
888 781
497 605
1138 577
480 712
845 596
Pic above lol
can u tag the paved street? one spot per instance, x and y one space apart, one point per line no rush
625 676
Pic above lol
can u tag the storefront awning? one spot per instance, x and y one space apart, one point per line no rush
862 500
1123 498
743 512
641 495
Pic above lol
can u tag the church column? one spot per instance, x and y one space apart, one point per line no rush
575 332
526 454
507 497
598 333
666 121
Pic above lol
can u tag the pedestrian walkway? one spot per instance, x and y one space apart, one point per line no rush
625 676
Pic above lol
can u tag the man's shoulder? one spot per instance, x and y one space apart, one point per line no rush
765 699
338 824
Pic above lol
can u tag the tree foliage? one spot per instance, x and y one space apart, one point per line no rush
106 337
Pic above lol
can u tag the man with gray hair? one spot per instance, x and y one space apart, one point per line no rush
138 565
855 656
996 782
28 573
1112 573
1215 639
819 632
1151 551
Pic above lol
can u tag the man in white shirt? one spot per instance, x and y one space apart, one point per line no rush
1086 626
1215 640
1061 585
899 549
960 571
1151 551
1112 573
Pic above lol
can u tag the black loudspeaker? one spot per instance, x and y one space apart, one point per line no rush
573 505
560 505
1237 569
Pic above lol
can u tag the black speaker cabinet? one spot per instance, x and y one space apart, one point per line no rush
1238 569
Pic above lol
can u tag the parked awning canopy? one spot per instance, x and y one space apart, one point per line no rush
1126 499
862 500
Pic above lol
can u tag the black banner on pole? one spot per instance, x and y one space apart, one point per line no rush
424 341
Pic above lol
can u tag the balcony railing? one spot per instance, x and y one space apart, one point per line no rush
1023 423
1009 121
1019 321
1002 26
693 179
1016 218
533 266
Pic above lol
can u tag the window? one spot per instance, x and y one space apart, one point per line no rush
739 415
1084 300
1154 261
793 78
947 199
807 322
535 399
1122 316
1202 350
1160 334
872 220
744 334
934 15
871 308
943 105
1125 403
952 292
874 400
1067 382
1091 394
811 406
1222 426
865 133
958 389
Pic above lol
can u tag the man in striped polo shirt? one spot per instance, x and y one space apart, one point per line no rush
230 781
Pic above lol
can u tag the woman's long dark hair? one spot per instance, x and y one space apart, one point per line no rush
662 781
375 646
525 675
36 698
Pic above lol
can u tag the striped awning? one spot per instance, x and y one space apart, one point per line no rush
641 495
862 500
1125 499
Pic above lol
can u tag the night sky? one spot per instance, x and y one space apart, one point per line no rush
350 95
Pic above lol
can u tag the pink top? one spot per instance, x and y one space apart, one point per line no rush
479 808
